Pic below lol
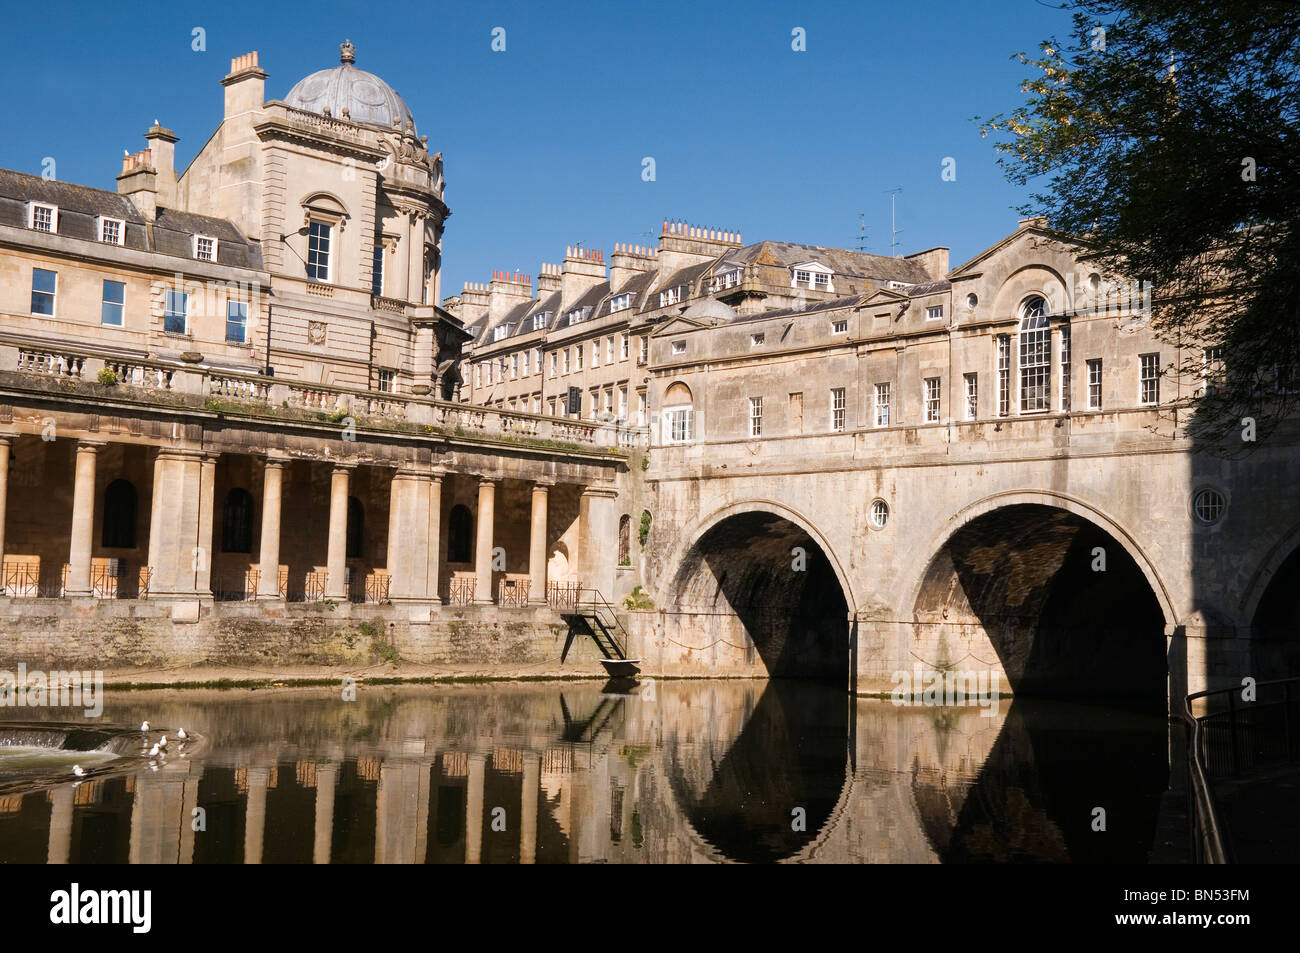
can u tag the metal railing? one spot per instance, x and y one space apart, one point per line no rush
563 595
236 586
460 590
512 592
1232 738
594 602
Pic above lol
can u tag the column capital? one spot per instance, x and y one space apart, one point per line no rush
181 453
276 460
491 480
607 492
90 445
7 438
346 465
543 483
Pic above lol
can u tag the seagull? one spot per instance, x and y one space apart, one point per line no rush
162 742
78 770
181 734
144 726
153 752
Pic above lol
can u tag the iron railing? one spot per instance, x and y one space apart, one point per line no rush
563 595
594 602
312 589
236 586
1232 738
512 592
460 590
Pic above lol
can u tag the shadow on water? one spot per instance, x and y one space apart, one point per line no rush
742 770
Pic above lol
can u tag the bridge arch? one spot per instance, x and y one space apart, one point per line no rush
1060 591
1270 608
759 577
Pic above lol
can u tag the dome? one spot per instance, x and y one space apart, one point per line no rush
350 93
710 309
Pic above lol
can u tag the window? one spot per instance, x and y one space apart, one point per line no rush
1004 374
837 408
1149 379
566 360
620 302
679 414
541 320
205 248
644 351
756 416
386 380
42 217
112 230
840 327
641 409
237 522
934 312
625 540
609 350
1065 368
174 312
609 401
879 514
478 374
671 296
501 369
627 340
821 282
539 360
377 268
578 352
113 306
932 399
236 322
796 412
756 339
1035 356
555 363
724 280
356 529
1211 370
578 315
1094 384
972 396
527 360
882 405
803 278
595 353
318 251
44 284
1208 505
500 331
622 402
118 528
679 347
514 366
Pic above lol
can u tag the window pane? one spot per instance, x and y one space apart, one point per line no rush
43 283
114 298
236 321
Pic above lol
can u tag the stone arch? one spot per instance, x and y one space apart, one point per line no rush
1281 551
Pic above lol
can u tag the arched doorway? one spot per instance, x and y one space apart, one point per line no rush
1060 600
758 583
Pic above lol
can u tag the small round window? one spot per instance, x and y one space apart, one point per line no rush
879 513
1208 505
972 300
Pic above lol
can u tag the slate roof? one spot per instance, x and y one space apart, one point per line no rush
853 264
79 205
688 276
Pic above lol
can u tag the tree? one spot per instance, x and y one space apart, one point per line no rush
1165 139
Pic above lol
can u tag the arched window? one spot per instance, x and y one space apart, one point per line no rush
356 528
678 414
459 529
119 516
625 540
237 522
1035 356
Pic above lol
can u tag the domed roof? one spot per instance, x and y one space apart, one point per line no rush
350 93
710 309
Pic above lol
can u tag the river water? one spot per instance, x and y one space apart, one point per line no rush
550 772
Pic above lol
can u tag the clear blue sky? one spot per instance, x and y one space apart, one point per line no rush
543 143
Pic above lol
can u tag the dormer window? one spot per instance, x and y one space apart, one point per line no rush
726 279
205 248
541 320
679 347
578 315
671 296
802 278
821 282
499 332
42 217
111 230
620 302
840 327
812 275
934 312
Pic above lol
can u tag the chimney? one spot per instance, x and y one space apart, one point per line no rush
627 261
682 245
245 86
508 291
162 147
933 260
548 281
452 306
139 182
584 268
474 301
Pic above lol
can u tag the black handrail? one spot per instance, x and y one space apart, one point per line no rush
598 602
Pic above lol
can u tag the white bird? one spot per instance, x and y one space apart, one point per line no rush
78 770
144 726
153 752
162 742
181 734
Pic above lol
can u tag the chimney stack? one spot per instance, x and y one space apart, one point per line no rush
548 280
508 291
933 260
138 181
682 245
584 268
162 147
627 261
474 301
245 85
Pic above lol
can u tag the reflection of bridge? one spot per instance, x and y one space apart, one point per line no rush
705 772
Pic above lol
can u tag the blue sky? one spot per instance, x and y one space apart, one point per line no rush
543 143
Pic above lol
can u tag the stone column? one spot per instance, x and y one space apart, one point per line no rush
268 560
597 539
336 560
6 443
397 573
483 594
176 545
83 519
207 503
327 776
255 814
537 545
433 578
155 501
60 843
474 809
528 805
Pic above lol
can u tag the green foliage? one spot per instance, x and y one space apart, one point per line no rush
638 599
645 462
107 377
643 532
1162 136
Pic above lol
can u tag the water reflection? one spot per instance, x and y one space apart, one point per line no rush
563 773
